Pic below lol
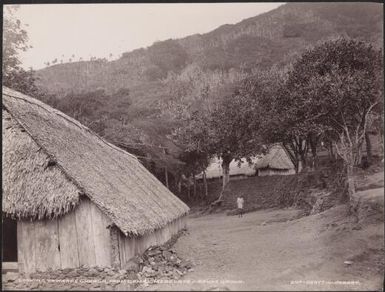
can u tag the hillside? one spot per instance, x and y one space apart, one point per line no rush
133 87
261 41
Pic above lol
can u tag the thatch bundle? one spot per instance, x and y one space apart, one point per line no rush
276 158
49 159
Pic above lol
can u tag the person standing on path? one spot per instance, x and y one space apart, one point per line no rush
240 202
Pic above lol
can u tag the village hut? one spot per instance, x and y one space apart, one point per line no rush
276 162
77 200
237 169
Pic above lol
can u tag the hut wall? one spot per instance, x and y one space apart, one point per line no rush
80 237
269 171
131 246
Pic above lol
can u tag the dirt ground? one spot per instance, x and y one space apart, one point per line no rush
277 249
271 250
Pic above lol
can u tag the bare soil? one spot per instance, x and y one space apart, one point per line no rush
271 250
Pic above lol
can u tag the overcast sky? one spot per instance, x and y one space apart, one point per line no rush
60 30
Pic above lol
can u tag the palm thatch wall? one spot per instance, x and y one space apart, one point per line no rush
57 159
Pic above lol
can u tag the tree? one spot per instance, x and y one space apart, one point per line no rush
288 124
235 123
15 40
336 86
193 135
230 128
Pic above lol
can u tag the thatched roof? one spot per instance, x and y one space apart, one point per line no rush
276 158
50 160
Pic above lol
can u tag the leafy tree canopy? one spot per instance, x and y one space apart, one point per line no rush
15 40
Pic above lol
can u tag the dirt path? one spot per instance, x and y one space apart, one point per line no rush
265 251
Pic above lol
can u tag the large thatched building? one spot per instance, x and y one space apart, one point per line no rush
276 162
77 199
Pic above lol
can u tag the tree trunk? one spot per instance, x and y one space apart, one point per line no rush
205 184
188 189
195 186
331 152
226 160
303 161
166 177
368 149
293 157
302 150
353 202
313 146
348 152
297 164
382 134
225 173
350 180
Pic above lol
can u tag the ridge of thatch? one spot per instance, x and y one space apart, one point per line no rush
114 180
276 158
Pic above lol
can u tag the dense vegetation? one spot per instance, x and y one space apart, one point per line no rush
232 91
332 93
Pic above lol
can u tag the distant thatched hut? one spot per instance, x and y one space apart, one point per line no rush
237 170
276 162
78 200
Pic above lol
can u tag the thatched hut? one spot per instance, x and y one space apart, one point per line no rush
77 199
276 162
236 170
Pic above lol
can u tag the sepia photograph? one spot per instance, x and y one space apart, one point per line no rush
228 146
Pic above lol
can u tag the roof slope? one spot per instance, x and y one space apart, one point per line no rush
276 158
112 178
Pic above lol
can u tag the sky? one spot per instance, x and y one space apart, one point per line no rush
98 30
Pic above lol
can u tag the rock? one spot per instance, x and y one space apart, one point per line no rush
92 272
100 269
147 270
153 252
348 263
72 274
167 254
186 264
11 277
263 223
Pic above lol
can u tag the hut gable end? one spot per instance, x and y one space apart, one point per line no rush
276 158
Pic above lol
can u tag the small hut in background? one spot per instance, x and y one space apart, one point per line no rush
237 170
276 162
76 199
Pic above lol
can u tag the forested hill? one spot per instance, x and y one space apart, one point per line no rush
261 41
122 99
